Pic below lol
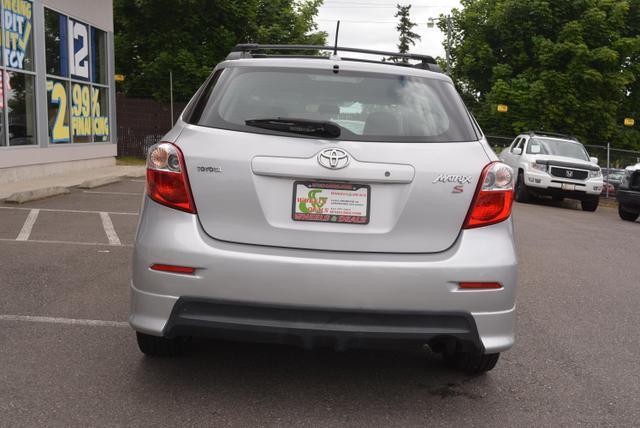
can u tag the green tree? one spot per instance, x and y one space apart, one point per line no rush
567 66
407 37
189 37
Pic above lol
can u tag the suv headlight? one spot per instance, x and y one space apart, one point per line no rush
595 174
539 166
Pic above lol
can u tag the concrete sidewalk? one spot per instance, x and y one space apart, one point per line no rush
23 191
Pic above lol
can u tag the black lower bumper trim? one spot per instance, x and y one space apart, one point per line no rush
325 328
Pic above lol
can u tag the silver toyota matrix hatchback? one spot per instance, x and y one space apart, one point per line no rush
322 201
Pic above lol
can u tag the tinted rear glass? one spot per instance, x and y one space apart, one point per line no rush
366 106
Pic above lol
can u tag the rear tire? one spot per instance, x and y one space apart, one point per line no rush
522 193
626 215
472 363
156 346
590 204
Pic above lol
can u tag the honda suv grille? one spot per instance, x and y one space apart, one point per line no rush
574 174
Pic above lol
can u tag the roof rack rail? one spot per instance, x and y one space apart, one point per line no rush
553 134
244 50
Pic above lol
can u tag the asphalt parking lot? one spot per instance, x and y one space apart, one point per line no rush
68 358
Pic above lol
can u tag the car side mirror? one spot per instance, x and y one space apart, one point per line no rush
517 151
594 160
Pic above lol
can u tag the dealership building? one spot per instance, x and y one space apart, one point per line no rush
57 92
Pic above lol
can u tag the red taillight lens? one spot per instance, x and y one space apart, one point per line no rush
173 269
479 285
494 197
167 181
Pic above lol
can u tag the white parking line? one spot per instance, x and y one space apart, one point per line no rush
71 321
67 211
112 193
28 225
137 181
107 224
42 241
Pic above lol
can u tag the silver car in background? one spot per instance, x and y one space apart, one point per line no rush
326 202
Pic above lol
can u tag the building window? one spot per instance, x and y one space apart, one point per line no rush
3 141
55 30
21 108
17 28
17 81
100 113
58 111
77 82
99 56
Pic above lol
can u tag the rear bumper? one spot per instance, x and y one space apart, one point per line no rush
630 199
368 292
547 185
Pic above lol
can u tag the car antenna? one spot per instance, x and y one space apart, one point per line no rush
335 46
336 67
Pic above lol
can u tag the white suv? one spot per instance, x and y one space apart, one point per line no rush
554 165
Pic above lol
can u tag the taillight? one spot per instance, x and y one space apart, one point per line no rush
479 285
173 269
494 197
167 181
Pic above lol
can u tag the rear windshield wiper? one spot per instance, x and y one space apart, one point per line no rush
317 128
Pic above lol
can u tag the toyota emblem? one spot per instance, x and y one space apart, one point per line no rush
333 158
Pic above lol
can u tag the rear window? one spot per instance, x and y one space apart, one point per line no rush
366 106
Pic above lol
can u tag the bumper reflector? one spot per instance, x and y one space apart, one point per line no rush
174 269
479 285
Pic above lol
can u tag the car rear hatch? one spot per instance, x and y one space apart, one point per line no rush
363 191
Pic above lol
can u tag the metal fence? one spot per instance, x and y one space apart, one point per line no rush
135 144
613 158
499 142
142 122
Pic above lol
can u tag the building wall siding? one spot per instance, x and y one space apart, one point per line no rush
97 12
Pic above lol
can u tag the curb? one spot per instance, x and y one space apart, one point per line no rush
32 195
97 182
140 174
611 202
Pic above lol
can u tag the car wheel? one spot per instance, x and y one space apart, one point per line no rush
472 363
590 205
522 193
155 346
626 215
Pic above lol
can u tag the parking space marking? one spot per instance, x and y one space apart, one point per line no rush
68 211
137 181
28 225
107 224
44 241
70 321
112 193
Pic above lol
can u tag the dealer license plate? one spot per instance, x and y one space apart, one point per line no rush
566 186
331 202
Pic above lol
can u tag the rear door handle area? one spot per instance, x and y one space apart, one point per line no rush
369 172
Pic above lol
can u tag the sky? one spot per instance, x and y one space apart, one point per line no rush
370 24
